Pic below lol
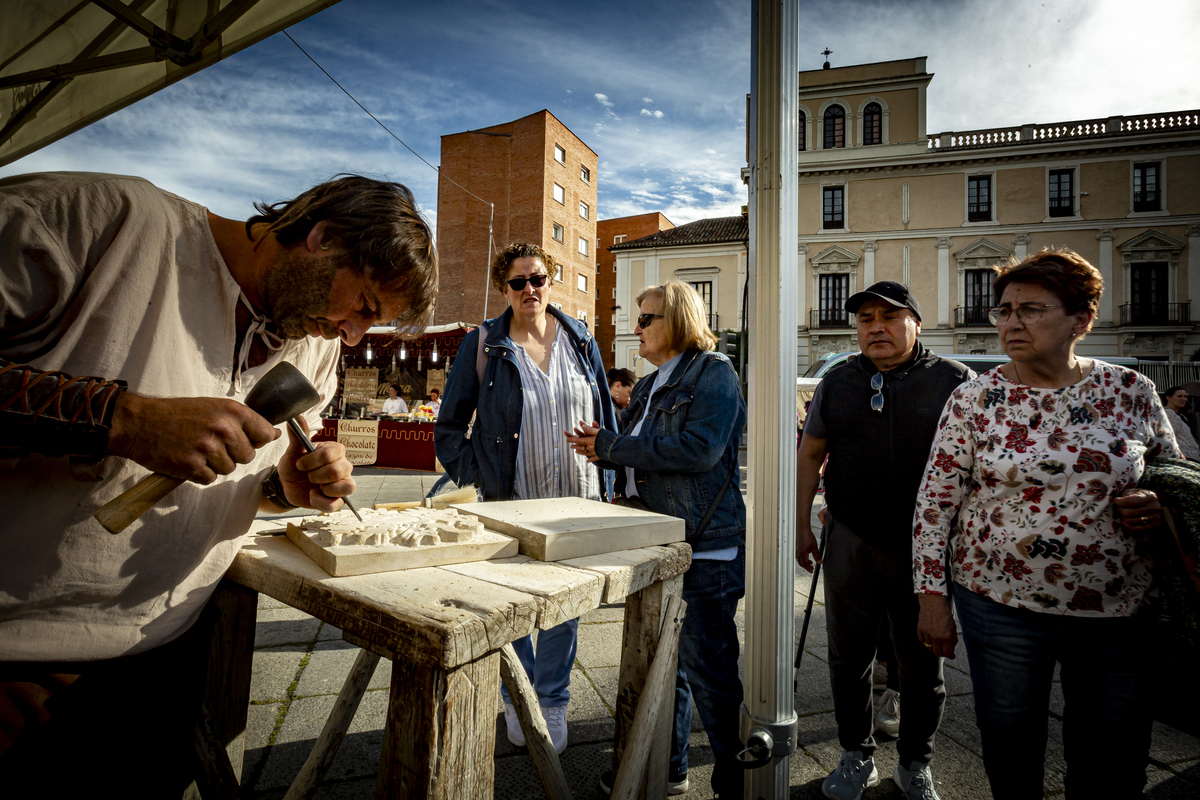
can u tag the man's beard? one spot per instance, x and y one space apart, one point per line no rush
298 291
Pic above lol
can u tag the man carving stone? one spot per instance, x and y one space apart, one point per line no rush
178 312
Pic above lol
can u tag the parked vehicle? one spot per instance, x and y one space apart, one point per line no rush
979 363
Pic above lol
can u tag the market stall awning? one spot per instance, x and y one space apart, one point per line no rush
66 63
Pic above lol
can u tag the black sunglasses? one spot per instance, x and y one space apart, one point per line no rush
644 320
518 284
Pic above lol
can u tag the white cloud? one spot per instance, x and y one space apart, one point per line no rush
603 100
656 114
647 100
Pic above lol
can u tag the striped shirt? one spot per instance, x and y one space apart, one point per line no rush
553 403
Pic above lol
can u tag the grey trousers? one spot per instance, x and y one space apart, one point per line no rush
863 585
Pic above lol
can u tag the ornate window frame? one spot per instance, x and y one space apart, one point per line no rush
885 112
979 254
819 127
1156 247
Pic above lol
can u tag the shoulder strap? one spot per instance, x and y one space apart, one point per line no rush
479 359
712 509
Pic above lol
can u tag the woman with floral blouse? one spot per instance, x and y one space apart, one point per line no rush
1030 514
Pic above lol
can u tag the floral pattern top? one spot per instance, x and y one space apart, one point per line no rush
1031 474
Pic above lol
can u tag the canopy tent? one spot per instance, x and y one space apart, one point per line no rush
66 63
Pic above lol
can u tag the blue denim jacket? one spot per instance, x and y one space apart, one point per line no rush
489 458
686 448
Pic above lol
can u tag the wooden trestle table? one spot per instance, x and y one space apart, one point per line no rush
444 628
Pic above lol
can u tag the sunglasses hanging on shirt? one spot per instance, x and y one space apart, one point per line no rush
877 398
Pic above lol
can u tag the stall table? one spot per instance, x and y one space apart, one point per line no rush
402 445
443 629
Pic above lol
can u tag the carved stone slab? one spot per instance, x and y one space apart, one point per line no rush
571 527
393 540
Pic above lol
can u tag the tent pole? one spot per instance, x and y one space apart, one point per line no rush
768 722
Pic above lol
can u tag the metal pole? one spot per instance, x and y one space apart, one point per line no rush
768 714
487 268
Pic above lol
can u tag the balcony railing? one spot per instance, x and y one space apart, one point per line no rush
1156 314
1056 131
972 317
830 318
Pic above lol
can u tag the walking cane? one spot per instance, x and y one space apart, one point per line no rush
812 593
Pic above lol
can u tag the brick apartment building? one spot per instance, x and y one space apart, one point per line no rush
542 179
610 232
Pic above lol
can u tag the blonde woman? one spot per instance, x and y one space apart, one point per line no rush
677 455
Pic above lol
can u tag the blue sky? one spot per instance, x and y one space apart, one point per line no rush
656 89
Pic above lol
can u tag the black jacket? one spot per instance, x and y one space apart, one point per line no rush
877 459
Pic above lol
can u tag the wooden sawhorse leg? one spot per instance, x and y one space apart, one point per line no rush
639 643
439 740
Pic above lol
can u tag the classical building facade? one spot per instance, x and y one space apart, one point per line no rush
880 198
710 254
542 180
610 232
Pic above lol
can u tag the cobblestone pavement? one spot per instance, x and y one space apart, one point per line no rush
300 663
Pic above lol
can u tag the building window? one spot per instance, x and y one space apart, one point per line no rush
582 316
873 124
835 127
1147 186
1148 290
558 273
803 124
585 175
979 198
614 320
835 211
704 289
557 305
558 232
583 246
584 210
1062 195
979 296
619 238
560 155
834 292
614 293
581 282
559 194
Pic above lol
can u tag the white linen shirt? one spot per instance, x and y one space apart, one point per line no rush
110 276
553 402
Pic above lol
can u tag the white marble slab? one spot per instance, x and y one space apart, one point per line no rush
387 540
571 527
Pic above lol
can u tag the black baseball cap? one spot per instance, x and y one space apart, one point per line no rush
895 293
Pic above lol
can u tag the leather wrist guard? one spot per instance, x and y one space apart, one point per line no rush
272 490
55 414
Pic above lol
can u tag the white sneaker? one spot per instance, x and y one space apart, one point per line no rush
887 721
513 724
556 725
916 783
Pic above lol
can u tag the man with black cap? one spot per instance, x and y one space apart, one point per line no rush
875 417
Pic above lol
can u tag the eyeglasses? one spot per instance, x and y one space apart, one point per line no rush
518 284
877 398
1026 312
644 320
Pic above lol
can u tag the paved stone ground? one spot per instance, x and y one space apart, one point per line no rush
300 663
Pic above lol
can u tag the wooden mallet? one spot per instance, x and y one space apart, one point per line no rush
281 395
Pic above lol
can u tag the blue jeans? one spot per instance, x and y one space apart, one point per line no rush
550 670
1106 721
708 668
